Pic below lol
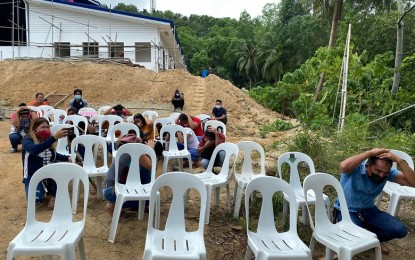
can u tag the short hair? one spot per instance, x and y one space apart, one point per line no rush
22 105
118 107
372 160
73 109
209 134
77 91
39 93
158 148
183 117
218 100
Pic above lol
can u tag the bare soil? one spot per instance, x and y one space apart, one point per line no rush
139 90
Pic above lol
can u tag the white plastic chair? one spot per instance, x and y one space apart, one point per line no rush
395 191
102 109
56 114
45 108
266 242
150 114
123 128
163 121
215 124
133 189
61 234
38 111
215 181
174 115
76 119
174 242
345 238
62 145
293 159
130 119
203 117
87 111
95 118
247 173
112 120
89 164
173 151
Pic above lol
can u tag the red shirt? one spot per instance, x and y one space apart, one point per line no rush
198 130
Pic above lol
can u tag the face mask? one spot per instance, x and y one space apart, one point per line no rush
376 178
78 97
44 134
217 106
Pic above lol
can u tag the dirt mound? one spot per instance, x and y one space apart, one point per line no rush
106 84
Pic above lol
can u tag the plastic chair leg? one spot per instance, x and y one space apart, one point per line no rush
99 181
238 200
217 195
70 253
312 244
81 248
378 253
165 164
158 211
228 197
394 205
209 194
115 219
304 216
141 206
330 254
248 253
75 195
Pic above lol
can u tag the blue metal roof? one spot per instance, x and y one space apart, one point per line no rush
96 5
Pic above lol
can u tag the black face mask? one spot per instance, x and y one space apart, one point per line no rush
376 178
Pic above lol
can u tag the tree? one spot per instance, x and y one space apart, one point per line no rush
247 63
126 8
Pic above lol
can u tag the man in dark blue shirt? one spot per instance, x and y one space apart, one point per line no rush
219 112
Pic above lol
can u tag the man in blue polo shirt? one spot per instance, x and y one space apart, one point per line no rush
363 178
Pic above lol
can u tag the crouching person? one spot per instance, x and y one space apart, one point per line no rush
207 145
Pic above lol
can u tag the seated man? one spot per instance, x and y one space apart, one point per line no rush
40 100
192 145
77 102
207 145
219 112
21 119
194 123
118 110
363 178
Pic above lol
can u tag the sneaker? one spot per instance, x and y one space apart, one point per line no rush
13 150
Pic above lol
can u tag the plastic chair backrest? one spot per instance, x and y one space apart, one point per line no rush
76 119
111 119
203 117
124 128
163 121
87 111
268 186
215 124
88 141
55 114
45 108
102 109
174 115
230 150
317 182
179 182
62 146
150 114
135 151
62 174
95 118
406 157
38 111
172 130
293 159
247 147
130 119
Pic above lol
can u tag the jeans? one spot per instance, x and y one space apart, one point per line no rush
384 225
40 190
193 152
15 139
218 160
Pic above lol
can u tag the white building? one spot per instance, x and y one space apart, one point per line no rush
60 28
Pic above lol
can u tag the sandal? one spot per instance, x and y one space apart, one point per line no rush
110 208
51 203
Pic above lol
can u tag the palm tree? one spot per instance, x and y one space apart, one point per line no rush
247 63
271 66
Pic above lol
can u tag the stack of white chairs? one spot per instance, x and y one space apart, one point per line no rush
61 235
266 242
345 238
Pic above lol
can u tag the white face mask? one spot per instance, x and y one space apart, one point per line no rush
218 106
78 97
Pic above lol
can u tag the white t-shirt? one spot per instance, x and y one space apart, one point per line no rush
192 141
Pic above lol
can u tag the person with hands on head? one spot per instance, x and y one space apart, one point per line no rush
38 151
363 178
21 119
118 110
186 120
207 145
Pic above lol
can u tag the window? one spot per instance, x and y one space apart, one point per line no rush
62 49
143 51
116 49
90 49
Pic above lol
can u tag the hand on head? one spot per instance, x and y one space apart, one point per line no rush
60 133
378 151
389 155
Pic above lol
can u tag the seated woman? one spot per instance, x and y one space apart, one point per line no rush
145 125
178 100
124 165
38 151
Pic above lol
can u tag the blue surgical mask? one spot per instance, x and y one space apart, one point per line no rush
217 106
78 97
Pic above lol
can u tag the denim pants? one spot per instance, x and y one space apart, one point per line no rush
193 152
218 160
41 189
384 225
15 139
